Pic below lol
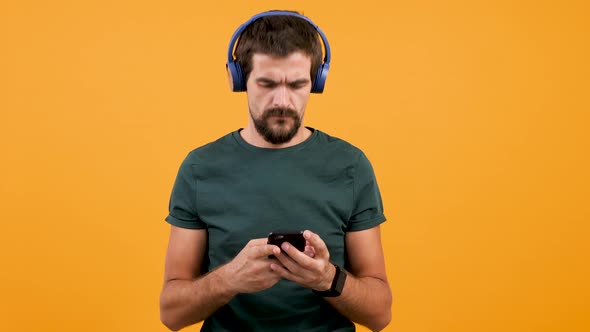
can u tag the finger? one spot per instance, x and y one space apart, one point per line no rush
297 256
309 251
288 262
284 273
261 247
317 243
265 250
273 249
257 242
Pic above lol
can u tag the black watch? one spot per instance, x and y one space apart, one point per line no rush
337 283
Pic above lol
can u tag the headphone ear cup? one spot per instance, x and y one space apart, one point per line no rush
237 76
320 78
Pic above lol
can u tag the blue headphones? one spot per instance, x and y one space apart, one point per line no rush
237 73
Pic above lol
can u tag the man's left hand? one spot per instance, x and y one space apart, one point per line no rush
312 272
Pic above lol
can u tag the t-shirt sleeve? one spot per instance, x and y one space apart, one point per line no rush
367 205
183 204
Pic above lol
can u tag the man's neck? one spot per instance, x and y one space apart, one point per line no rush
252 137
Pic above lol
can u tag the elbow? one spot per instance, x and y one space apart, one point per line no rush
168 321
380 322
171 323
383 317
168 317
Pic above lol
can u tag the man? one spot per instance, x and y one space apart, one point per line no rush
276 174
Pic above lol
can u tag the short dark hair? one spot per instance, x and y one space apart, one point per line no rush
279 35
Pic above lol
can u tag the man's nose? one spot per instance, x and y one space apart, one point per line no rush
281 96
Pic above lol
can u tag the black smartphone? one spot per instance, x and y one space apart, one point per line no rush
294 237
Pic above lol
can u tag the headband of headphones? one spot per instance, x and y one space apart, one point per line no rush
237 73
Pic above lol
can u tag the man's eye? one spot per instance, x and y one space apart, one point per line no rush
296 85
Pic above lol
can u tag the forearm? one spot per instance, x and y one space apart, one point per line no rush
365 300
186 302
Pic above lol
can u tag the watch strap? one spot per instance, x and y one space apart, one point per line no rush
337 284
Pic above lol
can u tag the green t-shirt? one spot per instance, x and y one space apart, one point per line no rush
240 192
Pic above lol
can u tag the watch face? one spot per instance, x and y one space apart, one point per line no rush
340 279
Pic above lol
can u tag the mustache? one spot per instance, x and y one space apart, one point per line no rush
280 111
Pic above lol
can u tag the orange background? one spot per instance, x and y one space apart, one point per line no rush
473 113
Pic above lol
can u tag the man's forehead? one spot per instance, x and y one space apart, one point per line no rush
293 63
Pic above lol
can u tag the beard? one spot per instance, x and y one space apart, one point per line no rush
279 132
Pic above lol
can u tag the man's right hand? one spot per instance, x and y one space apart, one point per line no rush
250 271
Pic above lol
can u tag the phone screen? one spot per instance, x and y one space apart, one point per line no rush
295 238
